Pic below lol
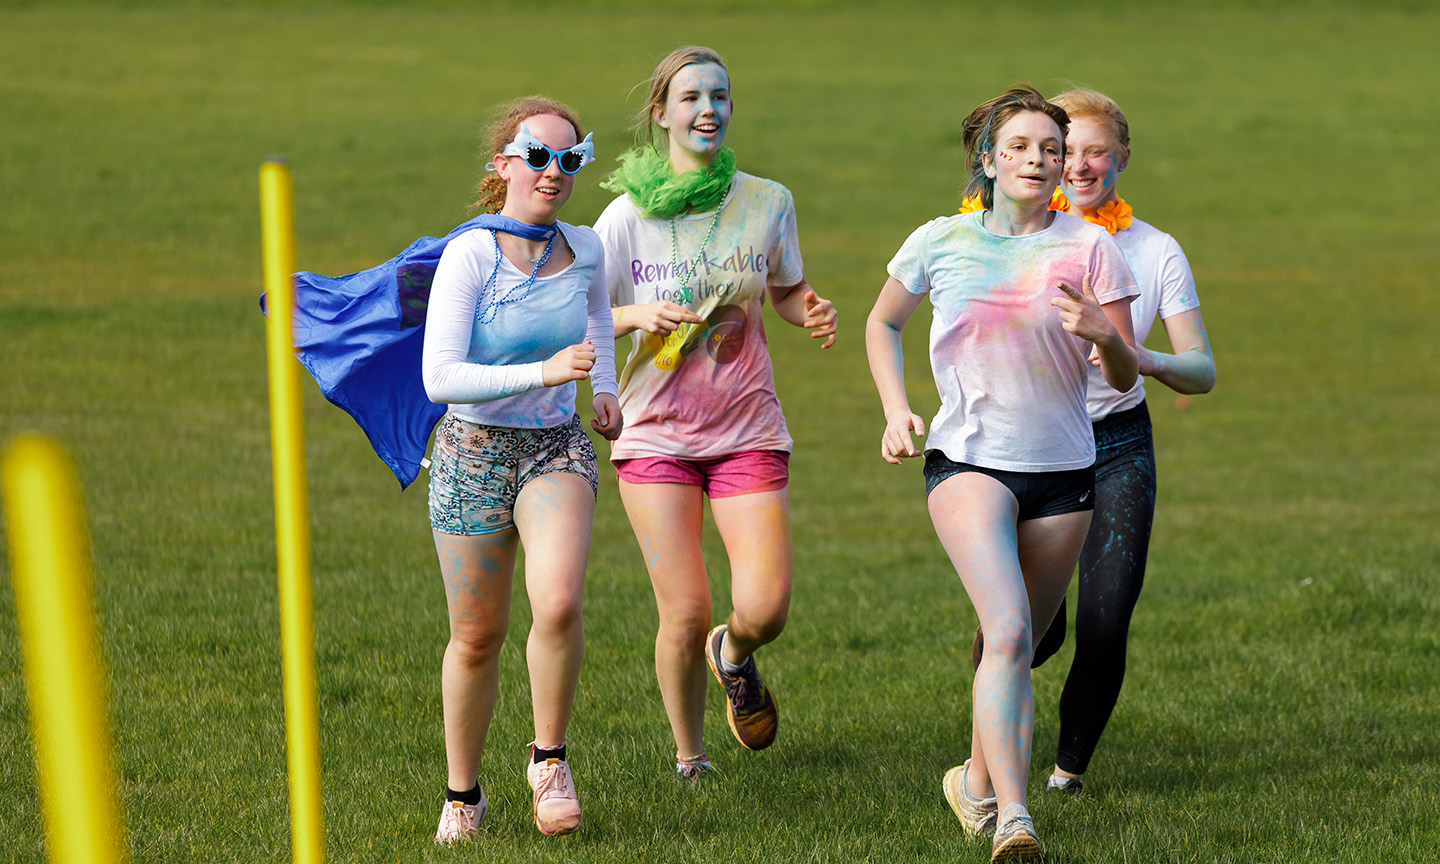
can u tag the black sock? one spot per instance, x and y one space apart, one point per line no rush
470 798
542 755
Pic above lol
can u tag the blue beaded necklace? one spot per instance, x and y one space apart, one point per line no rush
492 307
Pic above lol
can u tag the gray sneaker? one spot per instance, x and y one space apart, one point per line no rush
976 815
1015 839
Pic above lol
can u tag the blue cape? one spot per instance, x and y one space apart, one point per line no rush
362 336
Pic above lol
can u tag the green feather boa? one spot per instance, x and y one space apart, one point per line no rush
645 175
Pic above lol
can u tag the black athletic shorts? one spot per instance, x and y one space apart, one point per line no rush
1040 494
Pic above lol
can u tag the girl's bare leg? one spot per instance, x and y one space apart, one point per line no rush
554 515
756 531
477 571
666 518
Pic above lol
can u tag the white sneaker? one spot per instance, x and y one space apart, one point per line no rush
557 806
1015 839
976 815
1067 785
460 821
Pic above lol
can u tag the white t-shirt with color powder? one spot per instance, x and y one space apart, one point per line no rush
1011 379
707 390
1166 289
484 359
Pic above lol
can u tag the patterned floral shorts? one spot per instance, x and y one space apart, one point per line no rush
476 471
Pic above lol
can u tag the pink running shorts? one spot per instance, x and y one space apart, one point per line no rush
721 477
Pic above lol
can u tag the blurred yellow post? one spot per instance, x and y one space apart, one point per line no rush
49 565
292 517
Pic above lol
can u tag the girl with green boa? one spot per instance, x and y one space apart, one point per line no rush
693 247
646 176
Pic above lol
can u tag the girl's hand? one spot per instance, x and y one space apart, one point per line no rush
608 421
821 317
1080 313
660 318
568 364
896 443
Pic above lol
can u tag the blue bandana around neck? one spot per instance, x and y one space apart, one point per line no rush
496 222
362 336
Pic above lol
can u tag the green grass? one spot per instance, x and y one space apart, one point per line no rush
1280 704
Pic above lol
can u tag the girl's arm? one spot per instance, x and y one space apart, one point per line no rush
1191 369
798 304
598 333
448 375
883 346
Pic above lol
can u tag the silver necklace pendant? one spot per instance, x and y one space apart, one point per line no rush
684 294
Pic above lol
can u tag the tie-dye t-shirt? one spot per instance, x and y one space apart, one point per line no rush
708 389
1011 380
1166 289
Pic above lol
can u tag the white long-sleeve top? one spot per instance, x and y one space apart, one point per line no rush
490 372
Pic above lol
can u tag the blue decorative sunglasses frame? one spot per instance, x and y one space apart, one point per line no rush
538 156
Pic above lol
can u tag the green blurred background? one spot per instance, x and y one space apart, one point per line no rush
1281 698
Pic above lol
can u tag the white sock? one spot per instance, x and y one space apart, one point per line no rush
730 668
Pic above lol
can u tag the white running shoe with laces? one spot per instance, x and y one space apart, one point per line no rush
1015 839
461 821
976 815
557 806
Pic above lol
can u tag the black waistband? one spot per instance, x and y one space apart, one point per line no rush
1122 427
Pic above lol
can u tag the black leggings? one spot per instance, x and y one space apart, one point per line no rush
1112 569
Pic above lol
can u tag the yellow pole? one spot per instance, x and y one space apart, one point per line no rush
49 565
292 517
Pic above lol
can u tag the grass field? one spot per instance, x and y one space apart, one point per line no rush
1281 703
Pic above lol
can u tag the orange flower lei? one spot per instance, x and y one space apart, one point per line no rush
1112 215
1057 202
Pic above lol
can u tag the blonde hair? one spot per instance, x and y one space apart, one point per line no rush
978 133
501 131
665 72
1081 102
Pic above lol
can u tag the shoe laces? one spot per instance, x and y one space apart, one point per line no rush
745 689
460 817
1014 823
553 779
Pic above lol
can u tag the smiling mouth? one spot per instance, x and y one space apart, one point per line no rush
547 190
1082 184
707 128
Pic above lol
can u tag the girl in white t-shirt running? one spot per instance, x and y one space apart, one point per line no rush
693 248
1022 297
517 314
1112 564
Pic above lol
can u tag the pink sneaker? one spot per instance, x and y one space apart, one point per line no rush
557 807
460 821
